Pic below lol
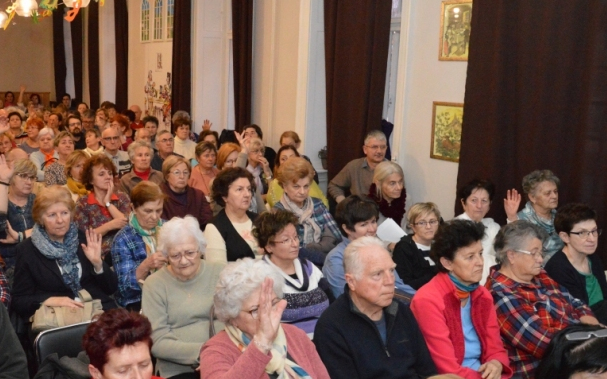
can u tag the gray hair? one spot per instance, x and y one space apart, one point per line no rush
352 257
164 131
377 134
181 114
532 180
514 236
382 171
46 130
177 230
136 145
237 281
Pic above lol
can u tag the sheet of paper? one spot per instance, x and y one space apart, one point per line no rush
390 231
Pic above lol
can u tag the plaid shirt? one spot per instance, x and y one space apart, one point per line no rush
5 296
529 315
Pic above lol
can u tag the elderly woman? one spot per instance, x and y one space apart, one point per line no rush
204 173
55 172
103 209
388 191
254 344
476 198
316 230
140 154
542 189
182 199
73 171
183 145
412 253
577 267
178 298
305 289
57 260
33 126
455 313
530 306
275 191
258 165
47 154
134 251
229 233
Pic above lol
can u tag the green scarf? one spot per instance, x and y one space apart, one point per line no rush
149 236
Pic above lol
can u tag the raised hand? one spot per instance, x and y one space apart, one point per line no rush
511 204
92 249
4 125
206 125
6 172
243 141
268 315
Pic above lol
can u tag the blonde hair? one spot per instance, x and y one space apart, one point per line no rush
23 166
171 162
382 171
294 169
289 134
72 160
421 209
61 136
256 143
146 191
51 195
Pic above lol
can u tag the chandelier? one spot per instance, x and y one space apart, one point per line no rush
31 8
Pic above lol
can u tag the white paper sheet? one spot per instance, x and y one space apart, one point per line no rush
390 231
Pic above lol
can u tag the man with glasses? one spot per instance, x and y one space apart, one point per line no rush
357 176
88 119
110 138
577 267
74 125
165 143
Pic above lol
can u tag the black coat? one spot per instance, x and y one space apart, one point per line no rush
37 278
411 265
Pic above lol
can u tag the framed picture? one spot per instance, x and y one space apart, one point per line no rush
446 130
454 39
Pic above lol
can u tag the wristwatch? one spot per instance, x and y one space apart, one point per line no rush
107 205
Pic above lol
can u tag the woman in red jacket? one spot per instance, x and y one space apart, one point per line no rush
455 314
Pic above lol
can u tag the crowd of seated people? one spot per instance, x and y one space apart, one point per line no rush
185 229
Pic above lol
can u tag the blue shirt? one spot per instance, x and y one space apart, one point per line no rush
472 344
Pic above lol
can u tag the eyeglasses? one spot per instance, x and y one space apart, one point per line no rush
189 255
584 234
25 176
180 173
167 140
75 124
255 311
117 138
287 241
581 336
257 151
424 223
535 255
377 147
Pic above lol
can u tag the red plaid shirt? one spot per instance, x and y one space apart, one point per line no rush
529 314
5 296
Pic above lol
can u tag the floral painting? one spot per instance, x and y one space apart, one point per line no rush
446 131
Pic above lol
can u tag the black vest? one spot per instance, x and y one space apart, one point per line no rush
236 246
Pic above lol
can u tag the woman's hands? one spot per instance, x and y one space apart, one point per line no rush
117 223
92 249
265 165
11 235
155 261
206 125
109 193
491 369
62 301
511 204
6 172
268 316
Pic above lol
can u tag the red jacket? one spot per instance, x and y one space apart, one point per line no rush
438 312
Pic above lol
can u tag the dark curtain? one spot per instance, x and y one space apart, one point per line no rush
357 34
59 52
77 46
182 57
121 18
93 54
242 42
536 99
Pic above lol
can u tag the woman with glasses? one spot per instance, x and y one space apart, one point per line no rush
177 299
258 165
577 267
134 251
531 307
412 253
254 343
476 198
55 172
305 289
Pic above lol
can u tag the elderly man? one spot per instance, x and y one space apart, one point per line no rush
165 143
137 123
110 138
365 333
357 176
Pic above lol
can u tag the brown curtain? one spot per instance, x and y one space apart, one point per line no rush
182 57
77 46
121 18
242 42
536 99
93 50
59 52
357 34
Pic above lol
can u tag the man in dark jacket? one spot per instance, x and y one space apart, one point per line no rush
365 333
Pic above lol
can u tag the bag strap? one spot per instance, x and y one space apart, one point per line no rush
212 321
85 296
59 315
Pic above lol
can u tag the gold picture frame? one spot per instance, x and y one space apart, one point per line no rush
454 38
446 130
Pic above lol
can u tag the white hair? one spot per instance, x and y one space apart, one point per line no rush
136 145
177 230
382 171
377 134
352 256
237 281
46 130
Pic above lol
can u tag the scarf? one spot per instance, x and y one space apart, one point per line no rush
302 271
256 172
64 253
280 362
148 236
76 187
144 175
463 290
394 210
92 152
48 158
312 231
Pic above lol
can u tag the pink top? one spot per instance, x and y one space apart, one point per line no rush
202 181
220 358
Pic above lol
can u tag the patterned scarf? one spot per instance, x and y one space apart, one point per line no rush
280 363
463 290
64 253
149 236
76 187
312 231
48 158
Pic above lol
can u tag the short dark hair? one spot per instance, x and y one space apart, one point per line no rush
454 235
571 214
82 102
15 114
73 115
89 113
115 329
94 131
66 94
277 159
223 181
129 114
565 357
354 209
58 115
268 224
475 184
203 146
96 160
257 129
180 122
205 133
147 119
107 105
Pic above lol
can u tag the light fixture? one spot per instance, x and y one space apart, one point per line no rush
25 8
74 3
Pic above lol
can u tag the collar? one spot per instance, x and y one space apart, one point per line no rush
390 310
92 200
